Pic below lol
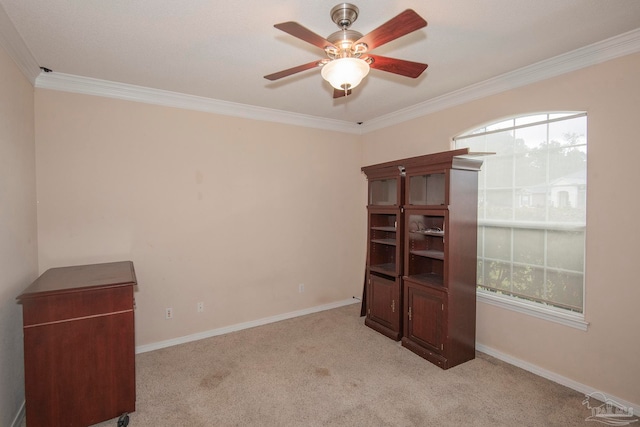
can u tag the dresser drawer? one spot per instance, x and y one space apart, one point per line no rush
76 304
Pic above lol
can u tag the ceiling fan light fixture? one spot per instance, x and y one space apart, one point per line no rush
345 73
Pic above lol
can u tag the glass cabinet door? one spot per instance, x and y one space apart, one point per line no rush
427 190
383 192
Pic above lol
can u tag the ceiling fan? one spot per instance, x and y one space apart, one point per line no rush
348 59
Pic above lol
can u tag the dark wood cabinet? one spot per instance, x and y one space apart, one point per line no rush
384 312
425 328
383 293
79 346
435 267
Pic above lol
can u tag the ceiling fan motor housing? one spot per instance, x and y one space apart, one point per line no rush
344 40
344 14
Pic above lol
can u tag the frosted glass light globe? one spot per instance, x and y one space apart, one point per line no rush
345 73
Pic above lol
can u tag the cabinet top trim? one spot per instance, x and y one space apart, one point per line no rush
451 159
73 278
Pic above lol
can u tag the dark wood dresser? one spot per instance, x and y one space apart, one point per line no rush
79 346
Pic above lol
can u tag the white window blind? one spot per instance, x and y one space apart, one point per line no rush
532 207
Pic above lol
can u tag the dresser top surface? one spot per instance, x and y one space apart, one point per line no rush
72 278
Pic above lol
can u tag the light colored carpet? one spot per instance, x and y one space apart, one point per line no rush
328 369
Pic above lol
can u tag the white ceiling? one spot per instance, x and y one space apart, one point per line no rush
222 49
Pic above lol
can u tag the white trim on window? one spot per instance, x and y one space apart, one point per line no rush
563 317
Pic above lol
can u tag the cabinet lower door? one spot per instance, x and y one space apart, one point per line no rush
80 372
425 322
384 305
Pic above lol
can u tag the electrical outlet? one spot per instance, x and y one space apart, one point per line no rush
168 313
301 287
200 307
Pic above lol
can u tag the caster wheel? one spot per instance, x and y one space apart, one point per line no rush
123 421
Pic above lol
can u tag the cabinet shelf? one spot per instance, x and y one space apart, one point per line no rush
389 229
429 254
429 233
388 268
384 242
391 242
428 279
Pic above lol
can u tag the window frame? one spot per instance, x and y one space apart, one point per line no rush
522 305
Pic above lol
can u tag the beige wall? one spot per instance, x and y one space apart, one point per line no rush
232 212
18 238
606 356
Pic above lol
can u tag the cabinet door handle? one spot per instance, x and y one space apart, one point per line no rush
393 306
409 313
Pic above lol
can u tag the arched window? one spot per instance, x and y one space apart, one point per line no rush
532 208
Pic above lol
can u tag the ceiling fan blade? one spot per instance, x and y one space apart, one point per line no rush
294 70
339 93
297 30
396 66
405 23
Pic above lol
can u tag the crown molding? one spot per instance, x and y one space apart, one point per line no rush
614 47
11 40
90 86
621 45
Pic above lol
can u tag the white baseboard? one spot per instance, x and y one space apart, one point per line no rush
19 418
240 326
552 376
